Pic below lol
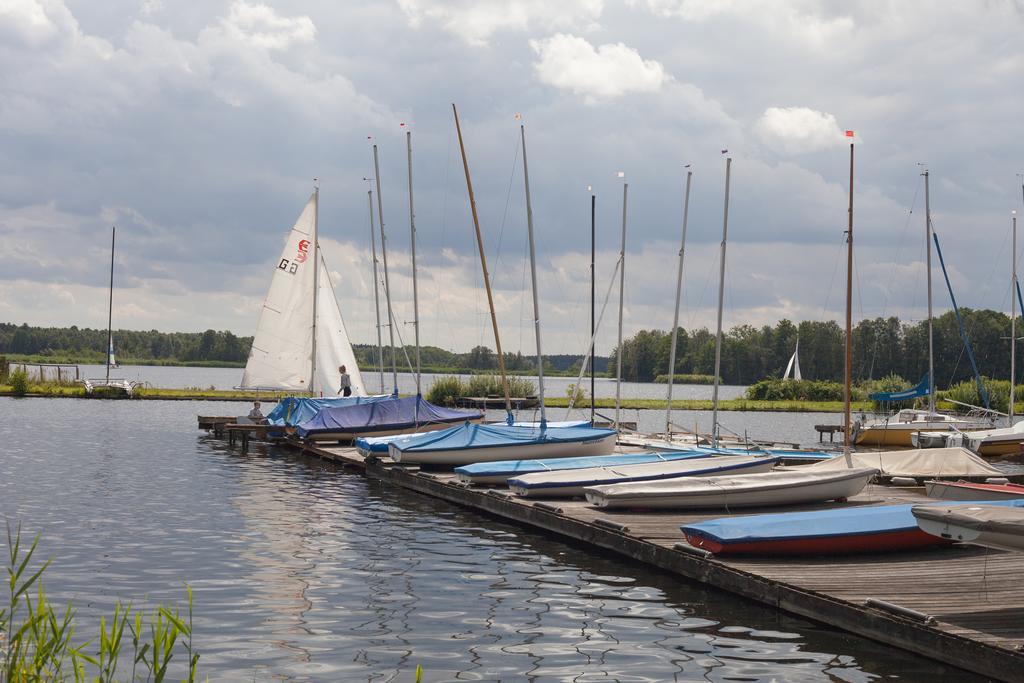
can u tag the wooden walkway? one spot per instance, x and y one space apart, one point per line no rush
971 597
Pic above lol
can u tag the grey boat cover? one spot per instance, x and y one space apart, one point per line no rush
997 519
924 462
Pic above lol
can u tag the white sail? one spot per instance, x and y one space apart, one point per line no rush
111 361
333 346
281 354
794 364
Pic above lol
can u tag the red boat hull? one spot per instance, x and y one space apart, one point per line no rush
904 539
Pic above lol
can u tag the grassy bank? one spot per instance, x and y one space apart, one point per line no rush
99 360
732 404
53 390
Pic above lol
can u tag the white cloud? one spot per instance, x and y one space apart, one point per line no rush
795 130
475 21
571 63
262 26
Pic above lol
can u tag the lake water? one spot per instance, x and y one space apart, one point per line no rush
305 572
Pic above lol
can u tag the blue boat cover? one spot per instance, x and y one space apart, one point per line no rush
496 435
379 444
397 413
512 468
784 453
848 521
921 389
292 411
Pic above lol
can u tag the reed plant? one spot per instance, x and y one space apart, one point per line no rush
685 379
36 639
446 390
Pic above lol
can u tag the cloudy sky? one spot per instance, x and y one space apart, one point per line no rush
197 128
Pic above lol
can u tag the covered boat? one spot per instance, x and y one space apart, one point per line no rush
379 444
569 483
501 470
971 490
789 487
293 410
846 530
989 524
410 414
925 463
471 443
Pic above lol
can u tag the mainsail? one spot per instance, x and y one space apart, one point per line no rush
794 364
111 361
282 354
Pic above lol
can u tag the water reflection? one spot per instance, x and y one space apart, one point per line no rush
304 572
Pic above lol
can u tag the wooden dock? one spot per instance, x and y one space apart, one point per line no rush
961 605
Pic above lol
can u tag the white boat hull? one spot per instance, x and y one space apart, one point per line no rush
467 456
944 490
755 490
647 472
968 524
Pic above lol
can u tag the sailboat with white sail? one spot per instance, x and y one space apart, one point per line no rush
300 339
793 367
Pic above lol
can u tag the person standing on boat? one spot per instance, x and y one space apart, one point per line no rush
345 383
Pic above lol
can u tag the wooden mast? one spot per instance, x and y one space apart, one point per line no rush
483 266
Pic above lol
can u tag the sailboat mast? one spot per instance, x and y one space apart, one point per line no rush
376 293
387 282
675 316
622 300
533 281
110 302
848 364
1013 319
593 292
483 266
412 236
928 266
721 299
316 281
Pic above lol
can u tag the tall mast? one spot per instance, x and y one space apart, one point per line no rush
387 282
533 282
483 267
848 364
376 292
412 236
1013 318
316 280
110 302
928 266
593 289
721 298
622 292
675 317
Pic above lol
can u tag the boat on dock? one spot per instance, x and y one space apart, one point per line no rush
973 491
570 483
471 443
839 531
769 489
378 445
987 524
499 472
292 411
926 463
393 416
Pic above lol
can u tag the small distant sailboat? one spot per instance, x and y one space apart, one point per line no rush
111 361
300 339
793 368
127 386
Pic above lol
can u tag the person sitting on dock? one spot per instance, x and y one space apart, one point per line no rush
256 415
345 382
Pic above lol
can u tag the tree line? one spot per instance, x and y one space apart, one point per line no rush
881 346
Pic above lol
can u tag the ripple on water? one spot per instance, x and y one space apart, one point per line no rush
304 572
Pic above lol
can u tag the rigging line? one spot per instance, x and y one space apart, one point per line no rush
444 224
597 329
504 215
831 282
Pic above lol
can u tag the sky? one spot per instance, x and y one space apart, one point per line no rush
197 129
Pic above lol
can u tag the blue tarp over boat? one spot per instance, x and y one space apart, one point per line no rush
512 468
398 413
475 436
293 410
379 444
838 530
921 389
